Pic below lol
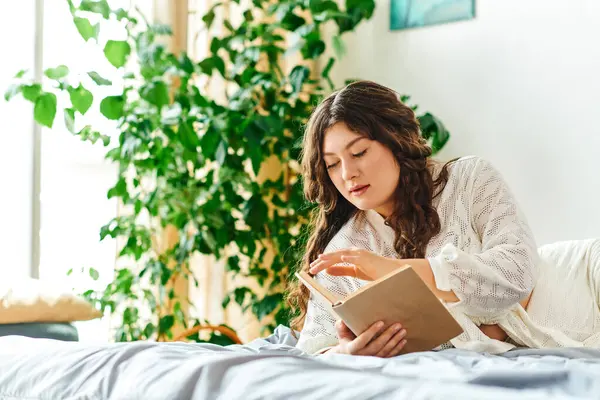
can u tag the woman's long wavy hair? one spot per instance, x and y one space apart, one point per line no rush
375 111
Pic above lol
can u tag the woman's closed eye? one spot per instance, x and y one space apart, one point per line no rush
355 155
362 153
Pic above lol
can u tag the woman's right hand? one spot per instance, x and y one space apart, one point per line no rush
388 344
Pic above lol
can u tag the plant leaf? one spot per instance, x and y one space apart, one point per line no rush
233 264
326 70
219 65
86 29
98 79
313 48
187 135
297 77
291 21
338 46
94 274
70 119
116 52
31 92
240 294
434 131
121 14
156 93
328 67
221 152
21 73
256 213
162 29
186 63
81 98
208 18
149 330
72 8
96 6
256 157
112 107
44 110
119 190
57 73
209 143
440 139
12 91
226 301
166 323
267 305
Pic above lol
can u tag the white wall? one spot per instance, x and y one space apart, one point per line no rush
518 85
17 30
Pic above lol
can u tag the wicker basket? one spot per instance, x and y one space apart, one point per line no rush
221 329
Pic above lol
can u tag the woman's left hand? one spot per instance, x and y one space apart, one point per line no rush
366 265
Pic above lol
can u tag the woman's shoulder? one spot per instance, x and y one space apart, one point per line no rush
467 167
468 174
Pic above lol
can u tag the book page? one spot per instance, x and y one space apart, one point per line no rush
316 288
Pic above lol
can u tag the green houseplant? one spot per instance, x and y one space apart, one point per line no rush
190 161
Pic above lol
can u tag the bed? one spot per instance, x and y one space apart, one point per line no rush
272 368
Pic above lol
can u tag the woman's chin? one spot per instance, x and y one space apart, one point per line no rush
363 205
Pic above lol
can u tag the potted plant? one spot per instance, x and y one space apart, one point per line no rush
190 159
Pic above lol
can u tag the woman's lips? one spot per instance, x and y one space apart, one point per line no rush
360 191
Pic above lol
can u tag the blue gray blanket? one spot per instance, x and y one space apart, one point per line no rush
272 368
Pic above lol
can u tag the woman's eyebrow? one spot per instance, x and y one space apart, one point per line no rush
347 146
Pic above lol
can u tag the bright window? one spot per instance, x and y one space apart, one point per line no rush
17 30
74 175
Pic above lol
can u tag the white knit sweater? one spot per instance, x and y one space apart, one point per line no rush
485 253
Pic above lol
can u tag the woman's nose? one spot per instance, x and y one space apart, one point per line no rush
349 171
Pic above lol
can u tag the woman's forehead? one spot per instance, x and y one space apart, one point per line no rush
339 137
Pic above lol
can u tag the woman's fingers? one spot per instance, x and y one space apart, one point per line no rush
388 349
349 270
330 266
397 349
318 266
339 253
338 257
343 331
342 270
328 262
358 344
338 270
375 346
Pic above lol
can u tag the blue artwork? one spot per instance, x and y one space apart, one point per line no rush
413 13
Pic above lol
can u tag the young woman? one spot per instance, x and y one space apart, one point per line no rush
383 203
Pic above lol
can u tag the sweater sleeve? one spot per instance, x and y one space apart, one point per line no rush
319 331
495 279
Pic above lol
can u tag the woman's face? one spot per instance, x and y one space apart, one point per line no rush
364 171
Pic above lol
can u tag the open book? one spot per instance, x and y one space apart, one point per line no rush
401 296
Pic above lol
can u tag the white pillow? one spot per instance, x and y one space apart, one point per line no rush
567 293
32 300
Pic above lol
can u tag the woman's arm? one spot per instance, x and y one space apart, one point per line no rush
488 282
422 267
318 333
502 274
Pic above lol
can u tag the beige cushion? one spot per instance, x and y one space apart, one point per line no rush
32 300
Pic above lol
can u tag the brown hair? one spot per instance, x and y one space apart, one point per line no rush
375 111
